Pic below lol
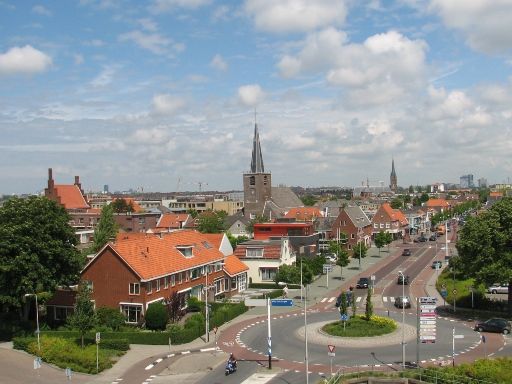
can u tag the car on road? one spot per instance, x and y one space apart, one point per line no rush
402 280
433 237
406 252
420 239
437 264
494 325
402 302
498 288
331 258
363 282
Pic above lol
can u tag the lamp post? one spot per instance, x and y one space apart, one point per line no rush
207 311
306 360
400 273
37 319
359 237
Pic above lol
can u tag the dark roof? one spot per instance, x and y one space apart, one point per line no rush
284 198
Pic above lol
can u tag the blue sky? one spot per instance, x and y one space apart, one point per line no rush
143 94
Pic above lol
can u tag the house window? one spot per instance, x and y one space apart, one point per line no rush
219 286
195 273
185 250
186 276
242 282
268 274
381 225
349 247
180 278
387 225
218 267
89 284
173 280
166 282
233 283
157 288
254 252
62 313
375 225
344 223
134 289
131 313
352 235
149 286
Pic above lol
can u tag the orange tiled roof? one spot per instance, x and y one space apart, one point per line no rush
495 194
437 203
233 266
304 213
214 239
151 256
136 207
395 214
401 217
172 220
71 197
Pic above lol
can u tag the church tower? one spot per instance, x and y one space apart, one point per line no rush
257 182
393 184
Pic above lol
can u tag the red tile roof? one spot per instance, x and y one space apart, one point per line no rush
70 196
173 220
233 266
136 207
151 255
270 250
394 214
437 203
496 194
214 239
304 213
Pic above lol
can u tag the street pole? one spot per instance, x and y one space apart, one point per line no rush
269 335
359 235
417 332
453 347
207 314
301 280
306 333
400 273
327 278
37 320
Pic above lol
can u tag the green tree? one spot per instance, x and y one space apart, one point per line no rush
236 240
192 212
343 304
424 197
380 240
416 201
37 249
122 206
411 189
368 311
210 222
485 247
83 318
397 203
353 304
359 250
342 260
106 228
308 200
156 317
110 317
290 274
388 238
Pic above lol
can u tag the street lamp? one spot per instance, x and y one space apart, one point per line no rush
207 311
37 320
306 360
400 273
359 237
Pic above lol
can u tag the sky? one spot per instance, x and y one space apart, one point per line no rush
162 95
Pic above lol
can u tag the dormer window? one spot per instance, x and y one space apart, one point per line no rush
254 252
185 250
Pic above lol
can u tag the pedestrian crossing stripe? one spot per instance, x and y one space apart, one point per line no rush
358 299
385 299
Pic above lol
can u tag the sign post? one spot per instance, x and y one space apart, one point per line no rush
331 353
98 338
454 292
427 319
269 336
326 269
454 336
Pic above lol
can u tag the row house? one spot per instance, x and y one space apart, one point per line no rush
237 225
391 221
419 220
173 221
139 269
438 205
354 223
264 257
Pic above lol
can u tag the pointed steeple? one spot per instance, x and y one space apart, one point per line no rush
393 182
257 158
393 173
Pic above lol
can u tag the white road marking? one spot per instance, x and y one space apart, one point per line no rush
332 299
323 300
149 367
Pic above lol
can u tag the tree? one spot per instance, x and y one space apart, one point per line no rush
343 304
175 304
256 220
106 228
397 203
359 250
236 240
380 240
416 201
353 304
424 197
308 200
343 260
83 318
192 212
110 317
368 311
290 274
122 206
411 189
485 247
37 249
156 316
388 239
210 222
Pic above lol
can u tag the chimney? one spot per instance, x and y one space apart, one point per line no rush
50 180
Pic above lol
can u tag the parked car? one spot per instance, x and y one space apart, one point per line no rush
494 325
406 252
403 280
402 302
437 264
498 288
331 258
363 282
433 237
420 239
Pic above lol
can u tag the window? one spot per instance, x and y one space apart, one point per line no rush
381 225
218 267
149 286
90 285
242 282
387 225
268 274
166 282
375 225
186 275
157 285
254 252
131 313
195 273
180 278
206 244
62 313
352 235
344 223
173 280
185 250
233 283
252 180
134 289
219 286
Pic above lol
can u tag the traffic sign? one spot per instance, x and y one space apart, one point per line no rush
454 291
98 337
372 277
444 293
281 302
332 348
344 317
327 268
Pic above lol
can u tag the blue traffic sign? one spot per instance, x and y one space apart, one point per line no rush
344 317
444 292
281 302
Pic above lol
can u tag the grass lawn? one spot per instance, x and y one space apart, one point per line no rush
359 327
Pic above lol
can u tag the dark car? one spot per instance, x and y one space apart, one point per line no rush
402 302
494 325
403 280
438 264
420 239
363 282
433 237
406 252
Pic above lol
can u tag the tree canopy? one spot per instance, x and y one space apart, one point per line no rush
308 200
106 228
122 206
380 240
37 249
83 319
211 221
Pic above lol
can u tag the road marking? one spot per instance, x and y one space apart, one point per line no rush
171 355
259 378
385 299
323 300
149 367
207 349
358 299
185 352
331 299
158 360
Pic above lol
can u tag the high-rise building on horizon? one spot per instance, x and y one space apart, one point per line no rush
466 181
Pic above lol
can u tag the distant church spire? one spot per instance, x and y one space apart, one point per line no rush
257 158
393 183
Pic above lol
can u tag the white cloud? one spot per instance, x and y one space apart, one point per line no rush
165 104
104 78
219 63
250 95
168 5
153 42
41 10
148 24
298 142
295 15
95 43
149 136
445 104
484 23
24 60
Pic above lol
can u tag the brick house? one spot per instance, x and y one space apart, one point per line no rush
303 238
354 223
139 269
389 220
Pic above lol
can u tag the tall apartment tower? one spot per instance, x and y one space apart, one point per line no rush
393 184
257 182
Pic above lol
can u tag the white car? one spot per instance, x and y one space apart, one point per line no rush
498 288
331 258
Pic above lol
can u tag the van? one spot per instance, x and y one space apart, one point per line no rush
440 230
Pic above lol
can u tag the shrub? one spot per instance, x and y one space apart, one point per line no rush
194 321
156 316
110 317
117 344
194 305
22 342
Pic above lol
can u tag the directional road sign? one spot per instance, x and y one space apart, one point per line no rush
281 302
344 317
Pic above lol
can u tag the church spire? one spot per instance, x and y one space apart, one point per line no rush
393 182
257 158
